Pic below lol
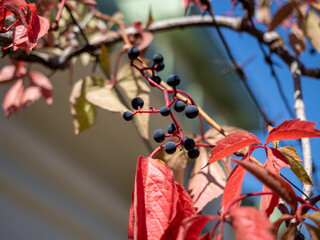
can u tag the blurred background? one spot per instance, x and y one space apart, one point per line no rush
56 185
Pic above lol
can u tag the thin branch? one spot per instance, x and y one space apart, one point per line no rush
271 39
301 113
241 74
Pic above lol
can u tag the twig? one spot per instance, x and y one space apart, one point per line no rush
241 74
301 113
271 39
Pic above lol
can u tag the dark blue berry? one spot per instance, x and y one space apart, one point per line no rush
156 79
127 116
189 144
170 147
171 128
179 106
137 102
133 53
165 111
157 58
159 135
173 80
193 153
191 111
159 67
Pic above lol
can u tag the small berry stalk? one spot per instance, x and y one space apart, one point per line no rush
189 107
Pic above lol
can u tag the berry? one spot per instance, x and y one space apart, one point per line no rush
170 147
159 135
171 128
193 153
165 111
156 79
157 58
159 67
189 144
179 106
133 53
127 115
137 102
191 111
173 80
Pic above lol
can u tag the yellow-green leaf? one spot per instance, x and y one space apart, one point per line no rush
315 217
313 29
289 234
83 111
131 85
313 231
104 59
294 161
105 97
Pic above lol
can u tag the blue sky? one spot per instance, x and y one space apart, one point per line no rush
243 46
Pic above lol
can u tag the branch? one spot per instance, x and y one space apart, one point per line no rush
301 113
271 39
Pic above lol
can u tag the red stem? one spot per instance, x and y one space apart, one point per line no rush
243 197
55 24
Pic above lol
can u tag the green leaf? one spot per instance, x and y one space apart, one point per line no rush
82 110
104 59
294 161
313 29
282 14
313 231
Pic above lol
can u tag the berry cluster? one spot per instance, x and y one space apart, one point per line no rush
188 106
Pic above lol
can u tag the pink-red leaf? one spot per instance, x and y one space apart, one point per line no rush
11 72
293 129
232 143
13 98
233 187
191 227
159 204
206 183
30 95
249 223
44 84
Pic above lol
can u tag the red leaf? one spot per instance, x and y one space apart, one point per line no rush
185 209
273 181
233 187
232 143
282 13
27 38
275 160
249 223
159 205
293 129
191 227
268 202
15 9
13 98
207 183
41 81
